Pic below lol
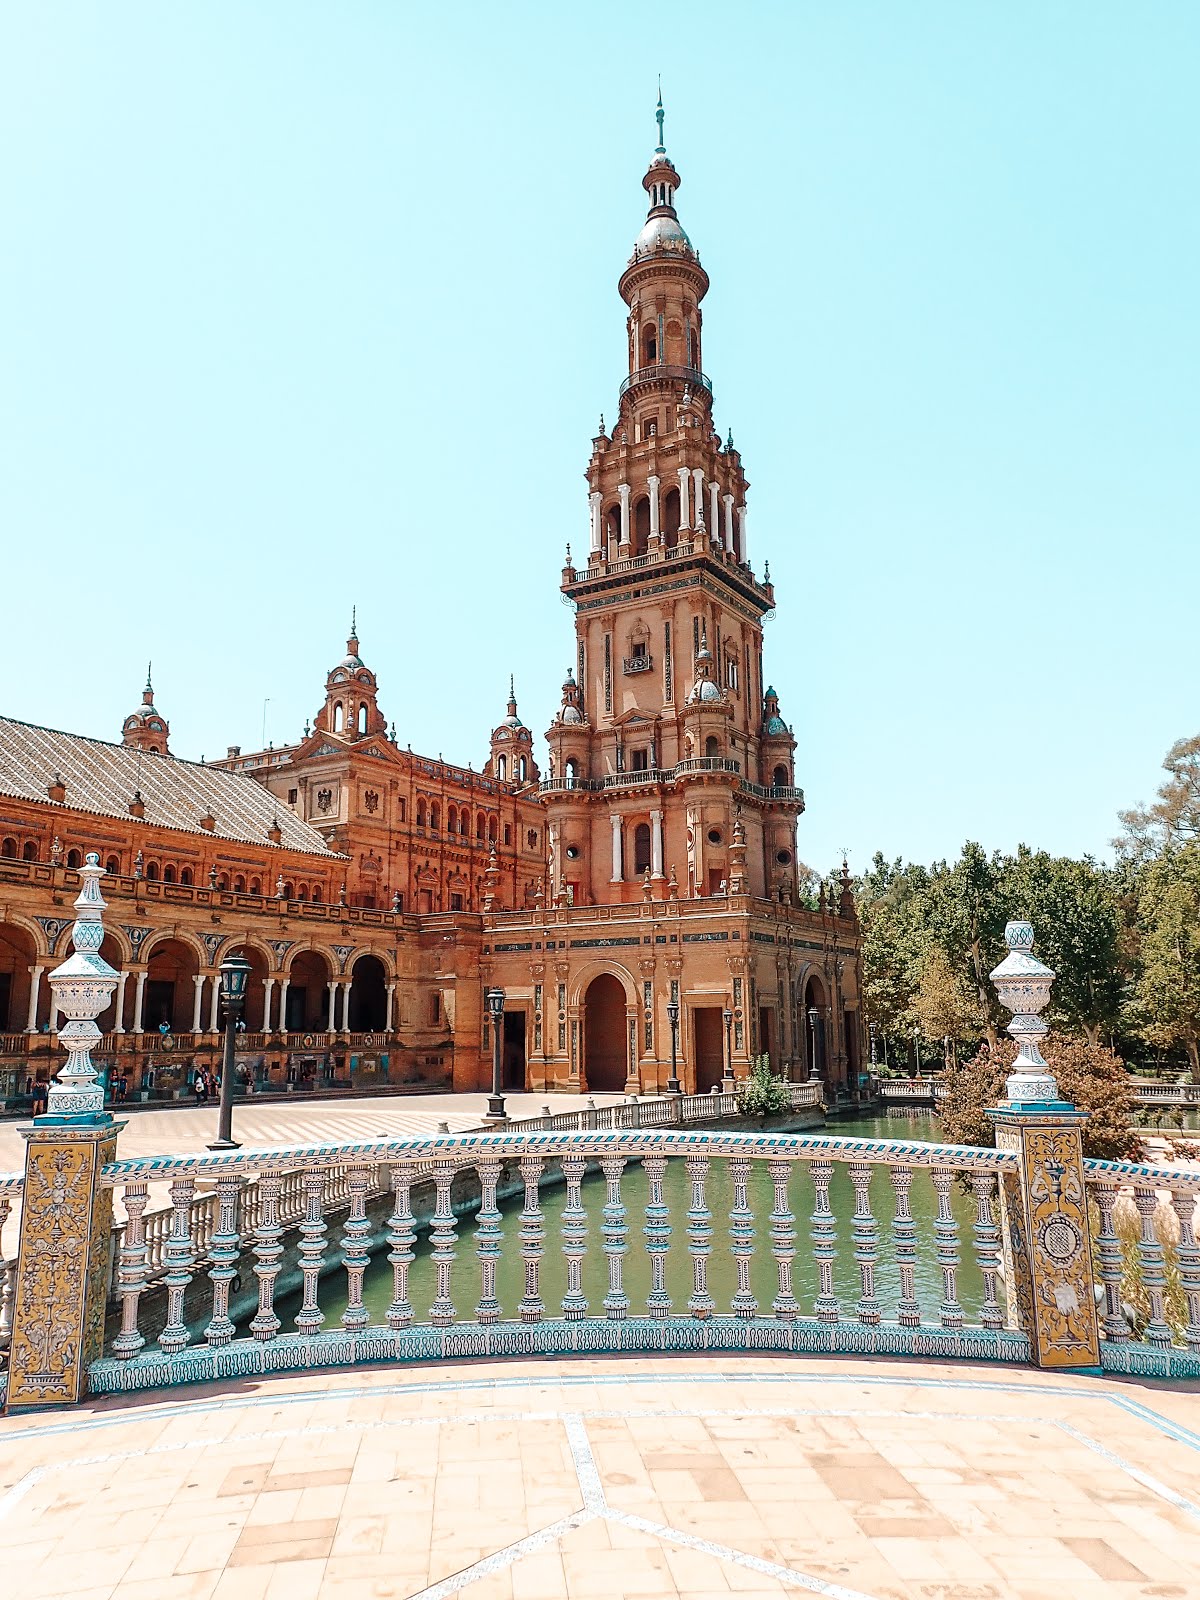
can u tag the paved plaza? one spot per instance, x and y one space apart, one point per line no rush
526 1481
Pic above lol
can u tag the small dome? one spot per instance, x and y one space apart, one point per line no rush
705 689
775 725
662 233
571 714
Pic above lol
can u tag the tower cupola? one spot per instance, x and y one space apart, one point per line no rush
511 759
146 728
351 709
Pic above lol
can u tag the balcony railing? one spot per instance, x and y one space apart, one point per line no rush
661 371
705 764
635 664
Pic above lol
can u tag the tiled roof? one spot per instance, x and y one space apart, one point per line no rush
102 777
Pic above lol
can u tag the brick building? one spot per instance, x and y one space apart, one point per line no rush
378 893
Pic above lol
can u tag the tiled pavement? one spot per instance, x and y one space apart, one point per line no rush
896 1481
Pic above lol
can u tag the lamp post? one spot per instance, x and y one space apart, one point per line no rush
814 1066
235 974
871 1031
728 1018
495 1107
673 1085
917 1044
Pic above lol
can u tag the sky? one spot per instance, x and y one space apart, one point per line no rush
307 306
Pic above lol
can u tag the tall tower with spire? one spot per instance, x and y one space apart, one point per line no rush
351 708
666 744
146 728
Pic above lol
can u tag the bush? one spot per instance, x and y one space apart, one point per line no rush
762 1094
1089 1075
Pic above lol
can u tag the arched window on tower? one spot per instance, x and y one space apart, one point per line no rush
649 345
185 875
362 719
780 777
522 770
571 772
9 848
435 816
339 716
481 827
168 873
493 829
30 850
670 517
712 747
641 848
74 860
114 865
464 823
502 768
613 523
421 815
152 871
316 894
451 819
641 527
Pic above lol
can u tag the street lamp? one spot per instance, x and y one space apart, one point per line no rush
917 1043
814 1066
728 1016
235 974
871 1031
495 1004
673 1085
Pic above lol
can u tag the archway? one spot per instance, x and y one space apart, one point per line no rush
308 993
604 1034
256 993
18 953
368 995
814 1023
170 991
641 527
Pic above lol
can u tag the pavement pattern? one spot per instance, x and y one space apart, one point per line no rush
624 1477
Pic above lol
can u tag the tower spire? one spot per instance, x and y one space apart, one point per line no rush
660 117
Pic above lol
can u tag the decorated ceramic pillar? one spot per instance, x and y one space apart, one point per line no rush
1043 1204
652 486
66 1214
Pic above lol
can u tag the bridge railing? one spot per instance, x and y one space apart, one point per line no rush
157 1344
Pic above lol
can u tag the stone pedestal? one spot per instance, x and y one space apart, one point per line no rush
63 1263
1046 1237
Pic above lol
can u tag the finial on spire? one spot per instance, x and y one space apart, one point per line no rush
149 664
659 117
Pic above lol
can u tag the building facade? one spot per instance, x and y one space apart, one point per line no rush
649 875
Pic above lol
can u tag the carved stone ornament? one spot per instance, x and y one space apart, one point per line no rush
82 987
1023 986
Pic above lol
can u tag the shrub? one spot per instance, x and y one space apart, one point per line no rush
762 1094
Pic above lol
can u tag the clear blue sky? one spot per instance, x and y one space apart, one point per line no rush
303 305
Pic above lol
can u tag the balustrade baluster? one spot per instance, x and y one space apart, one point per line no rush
945 1228
616 1301
267 1255
251 1207
310 1318
699 1229
864 1232
904 1242
783 1241
223 1254
1108 1247
1154 1274
443 1238
741 1239
987 1246
573 1227
1184 1203
131 1278
180 1259
402 1235
533 1239
489 1237
824 1238
658 1236
356 1231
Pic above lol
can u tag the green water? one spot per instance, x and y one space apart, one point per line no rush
465 1280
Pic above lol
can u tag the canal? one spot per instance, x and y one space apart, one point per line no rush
721 1276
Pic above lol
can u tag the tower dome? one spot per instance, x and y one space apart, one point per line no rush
351 708
145 728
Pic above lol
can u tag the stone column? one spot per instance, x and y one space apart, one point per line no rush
728 501
626 544
346 982
284 985
391 1006
741 521
652 485
1045 1230
35 994
66 1216
656 844
197 1001
122 979
333 988
214 1002
618 870
685 515
698 480
597 532
139 999
714 518
268 987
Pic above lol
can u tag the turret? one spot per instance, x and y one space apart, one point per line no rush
146 728
351 710
511 760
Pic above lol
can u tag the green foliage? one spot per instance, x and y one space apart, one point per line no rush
762 1094
1174 817
1166 997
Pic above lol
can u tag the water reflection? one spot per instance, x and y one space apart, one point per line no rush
721 1273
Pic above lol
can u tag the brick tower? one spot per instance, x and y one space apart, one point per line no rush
667 734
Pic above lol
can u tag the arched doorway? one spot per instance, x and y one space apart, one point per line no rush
17 954
814 1021
308 993
170 991
604 1034
368 996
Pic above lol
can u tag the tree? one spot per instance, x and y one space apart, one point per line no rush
1074 909
1088 1075
944 1005
895 941
1166 1004
1174 818
968 911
